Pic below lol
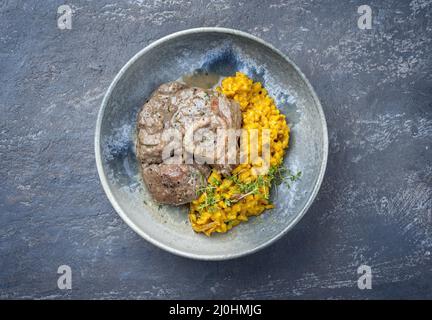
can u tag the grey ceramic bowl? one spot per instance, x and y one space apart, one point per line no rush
223 51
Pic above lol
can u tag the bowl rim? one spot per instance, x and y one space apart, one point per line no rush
104 180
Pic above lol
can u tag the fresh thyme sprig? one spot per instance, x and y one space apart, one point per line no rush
280 175
209 191
276 175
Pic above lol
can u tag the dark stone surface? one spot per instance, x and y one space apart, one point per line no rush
374 206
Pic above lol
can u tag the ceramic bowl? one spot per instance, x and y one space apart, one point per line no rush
221 51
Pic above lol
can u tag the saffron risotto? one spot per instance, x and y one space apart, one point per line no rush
227 201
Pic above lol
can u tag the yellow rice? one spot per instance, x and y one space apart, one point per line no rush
258 112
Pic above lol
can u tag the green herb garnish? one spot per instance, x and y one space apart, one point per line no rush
276 175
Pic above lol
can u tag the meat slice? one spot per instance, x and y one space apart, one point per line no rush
174 183
200 114
229 115
190 112
153 119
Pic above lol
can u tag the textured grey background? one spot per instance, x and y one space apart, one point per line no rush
375 203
